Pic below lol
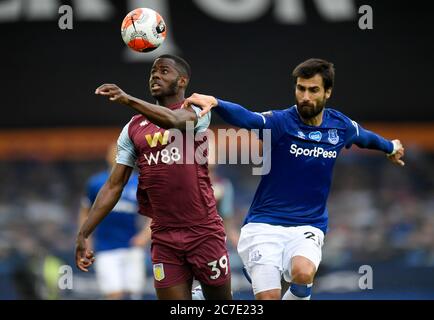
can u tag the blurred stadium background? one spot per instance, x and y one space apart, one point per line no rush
54 131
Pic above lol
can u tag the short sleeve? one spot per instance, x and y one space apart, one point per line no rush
126 154
202 122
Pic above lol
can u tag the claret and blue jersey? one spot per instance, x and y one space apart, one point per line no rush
295 190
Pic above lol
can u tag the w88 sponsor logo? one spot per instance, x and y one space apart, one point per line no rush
165 156
315 152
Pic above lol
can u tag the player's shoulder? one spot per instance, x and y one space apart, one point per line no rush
333 112
136 119
197 110
278 113
135 123
193 108
337 116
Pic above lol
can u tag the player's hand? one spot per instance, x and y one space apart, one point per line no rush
397 154
206 103
114 93
84 257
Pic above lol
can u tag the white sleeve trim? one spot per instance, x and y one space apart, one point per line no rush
356 126
126 154
395 148
202 122
263 118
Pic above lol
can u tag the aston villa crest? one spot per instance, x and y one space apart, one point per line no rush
159 272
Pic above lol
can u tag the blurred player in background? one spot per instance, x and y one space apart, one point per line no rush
284 229
188 236
224 195
118 241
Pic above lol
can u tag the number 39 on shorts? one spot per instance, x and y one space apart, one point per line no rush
222 264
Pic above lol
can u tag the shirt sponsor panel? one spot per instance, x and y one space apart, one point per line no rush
316 152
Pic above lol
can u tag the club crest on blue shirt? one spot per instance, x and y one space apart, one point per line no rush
333 136
316 136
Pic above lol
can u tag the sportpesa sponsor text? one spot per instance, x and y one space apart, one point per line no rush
315 152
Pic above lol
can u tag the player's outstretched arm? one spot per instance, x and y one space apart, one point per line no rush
370 140
162 117
107 198
230 112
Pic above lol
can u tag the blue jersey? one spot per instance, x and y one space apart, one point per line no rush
295 191
120 225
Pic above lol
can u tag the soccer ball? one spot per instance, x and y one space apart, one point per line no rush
143 30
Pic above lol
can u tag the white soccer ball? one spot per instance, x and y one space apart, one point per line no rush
143 30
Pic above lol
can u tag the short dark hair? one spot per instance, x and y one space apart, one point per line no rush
311 67
183 66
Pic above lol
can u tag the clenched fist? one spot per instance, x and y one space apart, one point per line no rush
114 93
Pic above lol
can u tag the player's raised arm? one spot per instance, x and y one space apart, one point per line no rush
230 112
107 198
367 139
161 116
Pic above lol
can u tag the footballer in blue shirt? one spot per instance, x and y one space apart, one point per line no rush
120 239
284 230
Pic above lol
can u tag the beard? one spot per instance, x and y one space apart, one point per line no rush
308 110
171 90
